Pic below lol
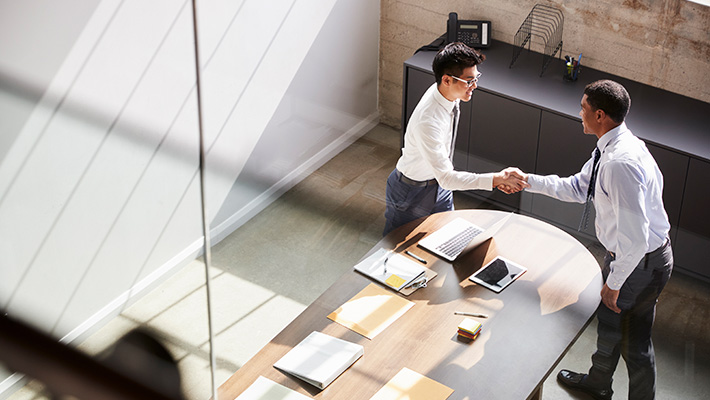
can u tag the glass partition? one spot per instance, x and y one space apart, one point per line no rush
100 202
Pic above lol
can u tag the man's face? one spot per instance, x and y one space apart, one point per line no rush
461 90
589 118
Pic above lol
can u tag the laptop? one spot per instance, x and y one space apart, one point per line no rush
449 241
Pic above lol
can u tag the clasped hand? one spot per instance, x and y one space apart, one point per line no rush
511 180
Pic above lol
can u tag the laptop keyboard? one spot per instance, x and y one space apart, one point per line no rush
454 246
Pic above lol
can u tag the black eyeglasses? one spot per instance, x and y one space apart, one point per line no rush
468 83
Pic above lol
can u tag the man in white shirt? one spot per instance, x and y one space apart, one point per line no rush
424 177
626 187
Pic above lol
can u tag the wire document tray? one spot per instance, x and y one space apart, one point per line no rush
545 22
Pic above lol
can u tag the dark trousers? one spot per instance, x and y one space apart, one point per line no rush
628 334
406 202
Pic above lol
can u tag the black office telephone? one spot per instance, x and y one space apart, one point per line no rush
476 34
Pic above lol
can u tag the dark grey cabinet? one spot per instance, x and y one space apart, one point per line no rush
691 249
501 134
417 83
517 118
674 167
562 150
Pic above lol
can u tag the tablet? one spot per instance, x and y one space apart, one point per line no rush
498 274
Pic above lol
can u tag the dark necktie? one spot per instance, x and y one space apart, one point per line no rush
455 115
590 191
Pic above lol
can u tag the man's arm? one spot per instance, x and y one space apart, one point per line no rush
435 152
626 191
626 188
571 189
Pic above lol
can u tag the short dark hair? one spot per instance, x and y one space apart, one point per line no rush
610 97
453 59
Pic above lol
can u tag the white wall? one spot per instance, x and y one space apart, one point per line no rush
99 192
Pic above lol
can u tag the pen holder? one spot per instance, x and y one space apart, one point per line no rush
572 69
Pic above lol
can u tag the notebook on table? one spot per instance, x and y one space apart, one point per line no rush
394 270
319 359
450 240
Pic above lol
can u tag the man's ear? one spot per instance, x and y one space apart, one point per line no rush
446 80
600 115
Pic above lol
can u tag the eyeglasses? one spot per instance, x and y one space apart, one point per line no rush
468 83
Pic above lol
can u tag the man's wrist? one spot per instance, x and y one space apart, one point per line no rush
498 179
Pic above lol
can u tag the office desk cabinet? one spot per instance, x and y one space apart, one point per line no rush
517 118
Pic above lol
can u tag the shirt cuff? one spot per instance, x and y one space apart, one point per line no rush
618 275
535 182
486 181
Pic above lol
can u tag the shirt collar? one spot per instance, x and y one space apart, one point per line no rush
448 105
611 135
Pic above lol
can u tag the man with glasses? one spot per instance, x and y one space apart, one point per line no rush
424 177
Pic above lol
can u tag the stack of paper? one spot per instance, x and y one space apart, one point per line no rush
265 389
320 358
469 328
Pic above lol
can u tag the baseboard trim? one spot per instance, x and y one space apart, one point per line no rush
267 197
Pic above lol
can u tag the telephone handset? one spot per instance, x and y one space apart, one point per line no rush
475 34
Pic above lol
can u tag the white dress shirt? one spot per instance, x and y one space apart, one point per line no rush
628 199
427 146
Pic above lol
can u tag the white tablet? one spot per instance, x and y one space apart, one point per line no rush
498 274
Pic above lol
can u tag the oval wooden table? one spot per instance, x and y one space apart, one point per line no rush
531 325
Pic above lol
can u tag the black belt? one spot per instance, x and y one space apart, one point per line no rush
412 182
649 254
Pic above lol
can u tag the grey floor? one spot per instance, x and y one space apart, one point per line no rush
274 266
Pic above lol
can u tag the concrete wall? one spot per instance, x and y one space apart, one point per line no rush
664 43
99 187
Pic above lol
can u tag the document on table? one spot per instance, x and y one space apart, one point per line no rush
371 311
319 359
266 389
410 385
391 269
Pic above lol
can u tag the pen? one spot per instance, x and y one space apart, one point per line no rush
416 257
576 67
468 314
421 282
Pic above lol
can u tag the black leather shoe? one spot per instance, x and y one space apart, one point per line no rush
575 381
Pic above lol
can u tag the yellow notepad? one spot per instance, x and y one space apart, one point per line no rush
371 311
470 325
409 385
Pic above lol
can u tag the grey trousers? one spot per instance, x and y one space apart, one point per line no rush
628 334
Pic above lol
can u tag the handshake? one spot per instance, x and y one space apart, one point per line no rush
510 180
